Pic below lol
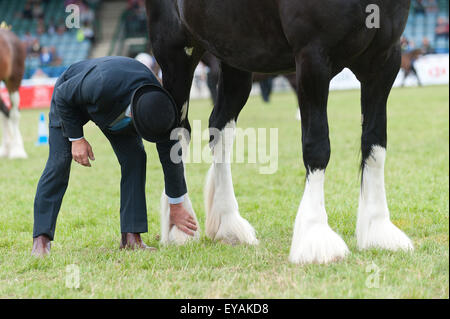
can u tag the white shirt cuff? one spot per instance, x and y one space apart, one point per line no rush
177 200
75 139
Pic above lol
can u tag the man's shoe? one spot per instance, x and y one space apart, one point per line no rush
133 241
41 246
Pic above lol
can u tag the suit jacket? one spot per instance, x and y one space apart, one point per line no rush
100 90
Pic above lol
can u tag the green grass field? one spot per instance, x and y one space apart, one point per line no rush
87 234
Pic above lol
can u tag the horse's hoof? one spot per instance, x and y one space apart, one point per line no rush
179 237
17 154
234 230
383 234
317 244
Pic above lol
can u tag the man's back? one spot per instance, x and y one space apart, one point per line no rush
99 88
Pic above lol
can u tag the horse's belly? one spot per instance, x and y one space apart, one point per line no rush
245 34
263 60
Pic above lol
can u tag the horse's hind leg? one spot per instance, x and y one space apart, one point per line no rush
313 240
6 136
17 149
374 228
223 221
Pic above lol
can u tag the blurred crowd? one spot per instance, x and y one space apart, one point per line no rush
425 7
87 18
136 19
409 46
48 55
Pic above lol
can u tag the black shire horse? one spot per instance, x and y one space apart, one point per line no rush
317 39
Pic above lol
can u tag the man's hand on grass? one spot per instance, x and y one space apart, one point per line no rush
82 152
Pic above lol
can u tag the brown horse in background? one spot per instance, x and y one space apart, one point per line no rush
12 68
408 60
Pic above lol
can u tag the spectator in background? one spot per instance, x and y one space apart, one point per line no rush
56 59
28 40
38 11
35 49
419 7
40 28
426 47
80 35
46 57
51 28
405 44
88 32
442 28
27 12
432 6
60 29
136 18
87 15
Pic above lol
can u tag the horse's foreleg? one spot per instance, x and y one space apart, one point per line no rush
223 221
414 70
374 228
178 68
313 240
174 235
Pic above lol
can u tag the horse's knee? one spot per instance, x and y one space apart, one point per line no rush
316 153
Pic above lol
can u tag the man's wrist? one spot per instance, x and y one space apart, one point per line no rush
176 200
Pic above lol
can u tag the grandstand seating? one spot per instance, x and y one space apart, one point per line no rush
68 48
423 26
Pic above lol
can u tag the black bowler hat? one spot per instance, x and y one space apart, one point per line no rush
154 113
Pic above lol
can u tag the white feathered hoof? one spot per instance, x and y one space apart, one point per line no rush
234 230
179 237
17 153
173 235
381 233
223 221
318 244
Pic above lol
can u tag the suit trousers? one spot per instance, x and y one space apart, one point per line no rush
52 185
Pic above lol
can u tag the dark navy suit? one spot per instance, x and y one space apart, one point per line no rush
100 90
